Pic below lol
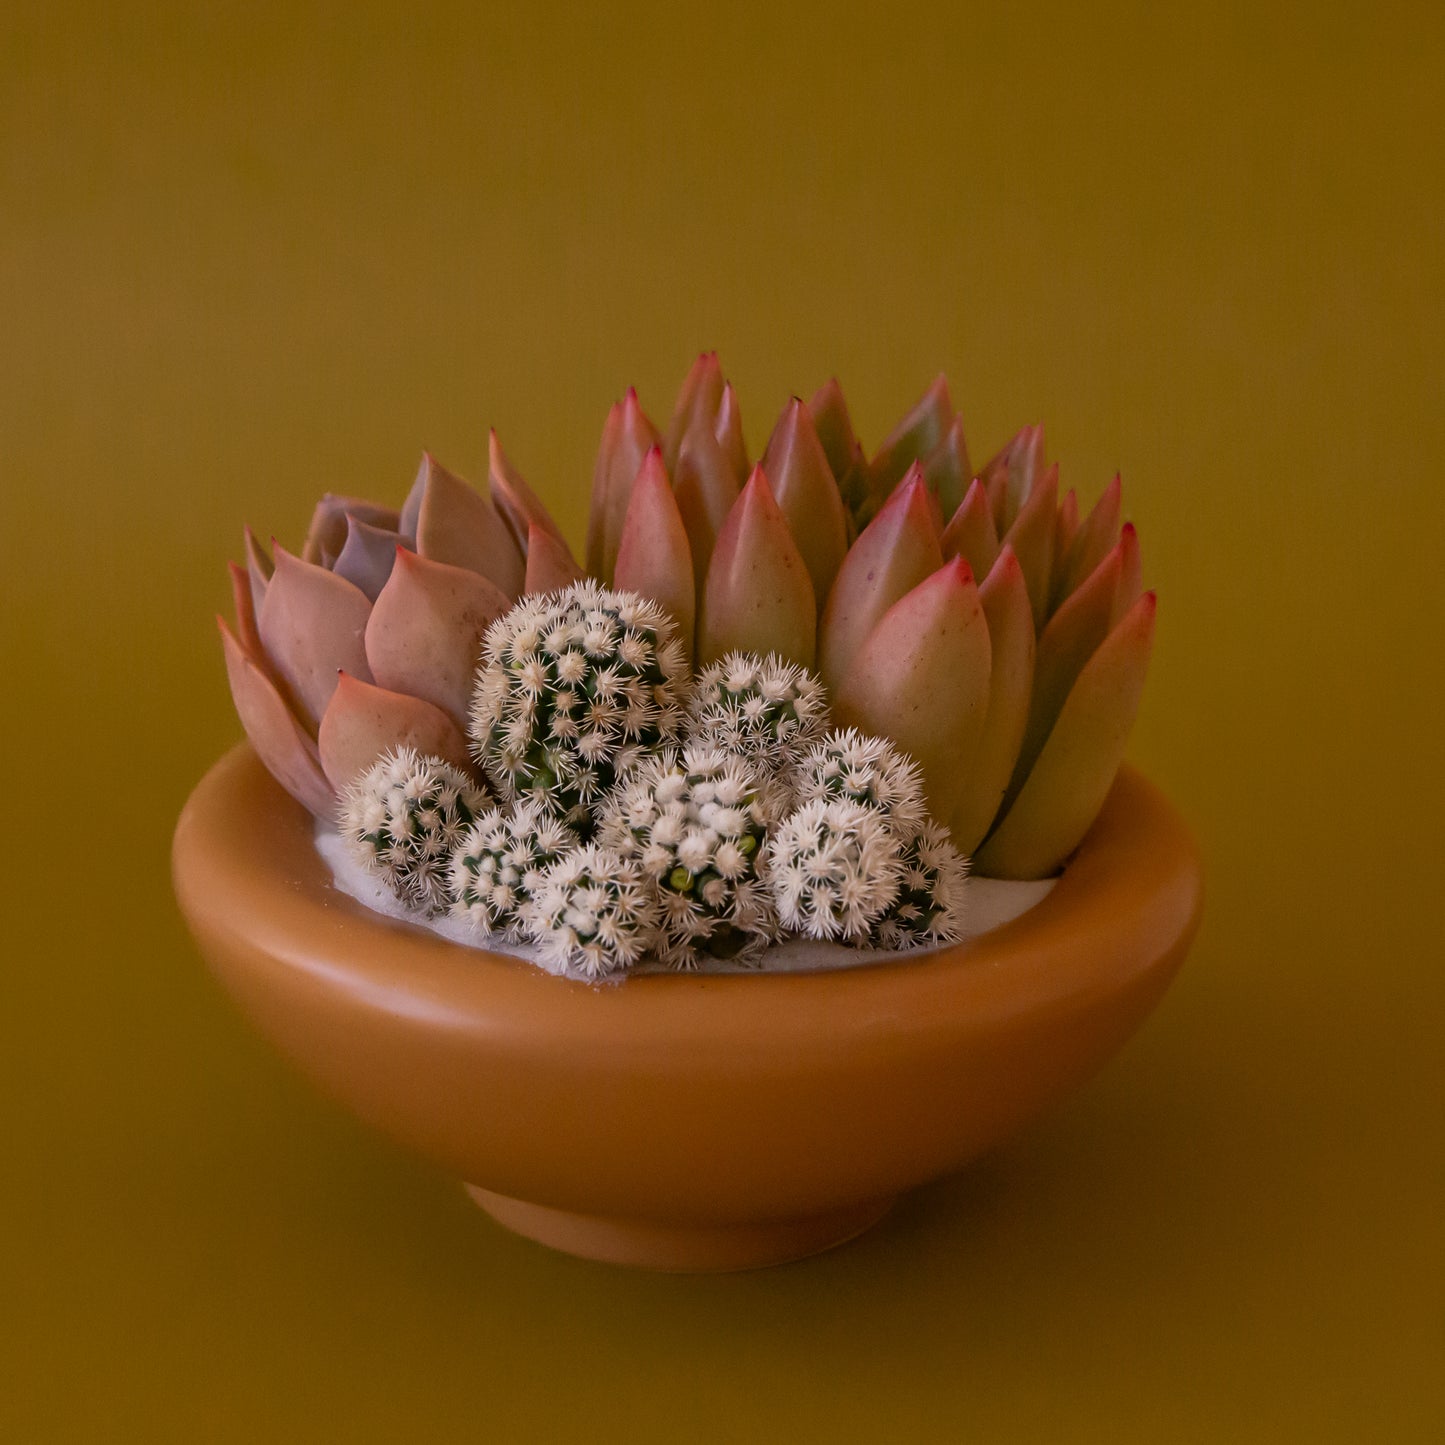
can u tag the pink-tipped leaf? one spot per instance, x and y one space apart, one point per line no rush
970 533
758 596
1073 775
807 494
521 507
921 677
892 555
946 469
425 633
1005 598
461 526
654 557
363 721
913 438
550 563
1096 534
697 402
706 489
1032 538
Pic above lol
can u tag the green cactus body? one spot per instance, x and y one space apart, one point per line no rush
696 827
575 688
498 866
402 820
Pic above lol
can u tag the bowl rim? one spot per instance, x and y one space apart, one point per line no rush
247 873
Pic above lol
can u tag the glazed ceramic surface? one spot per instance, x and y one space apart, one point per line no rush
684 1121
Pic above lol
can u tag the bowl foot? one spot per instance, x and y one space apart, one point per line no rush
680 1248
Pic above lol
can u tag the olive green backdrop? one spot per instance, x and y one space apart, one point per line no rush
254 253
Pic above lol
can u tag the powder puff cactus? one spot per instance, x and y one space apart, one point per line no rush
498 865
765 708
930 904
593 913
849 764
573 688
696 828
402 820
835 869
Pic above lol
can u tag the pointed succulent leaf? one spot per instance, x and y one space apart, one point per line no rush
550 564
364 721
1009 474
1032 538
243 597
921 678
326 535
286 750
854 486
633 438
462 527
834 425
1071 638
1066 527
1131 573
603 471
425 632
653 557
728 429
970 533
1076 769
758 596
706 490
311 623
946 469
894 553
519 505
807 494
367 556
697 401
1005 598
259 565
1096 534
913 438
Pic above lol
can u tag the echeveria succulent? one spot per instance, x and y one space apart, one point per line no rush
498 865
402 820
368 639
696 825
573 688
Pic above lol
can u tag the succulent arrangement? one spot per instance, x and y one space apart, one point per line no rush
793 697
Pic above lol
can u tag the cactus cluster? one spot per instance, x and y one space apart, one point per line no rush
574 688
977 642
402 820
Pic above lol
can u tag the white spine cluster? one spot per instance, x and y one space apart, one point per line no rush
930 904
849 764
574 688
766 708
402 820
835 868
593 913
498 866
696 827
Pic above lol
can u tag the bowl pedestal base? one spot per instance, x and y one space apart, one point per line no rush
680 1248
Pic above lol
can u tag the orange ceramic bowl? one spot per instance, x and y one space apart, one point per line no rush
684 1121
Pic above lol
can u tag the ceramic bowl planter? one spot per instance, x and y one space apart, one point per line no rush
684 1121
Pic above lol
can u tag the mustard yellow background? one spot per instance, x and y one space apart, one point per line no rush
251 252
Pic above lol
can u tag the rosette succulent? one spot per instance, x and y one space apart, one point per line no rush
403 818
696 826
573 688
764 708
368 639
497 867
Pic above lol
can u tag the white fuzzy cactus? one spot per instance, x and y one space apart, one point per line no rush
402 820
593 913
498 866
929 908
766 708
696 826
575 687
835 868
850 764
